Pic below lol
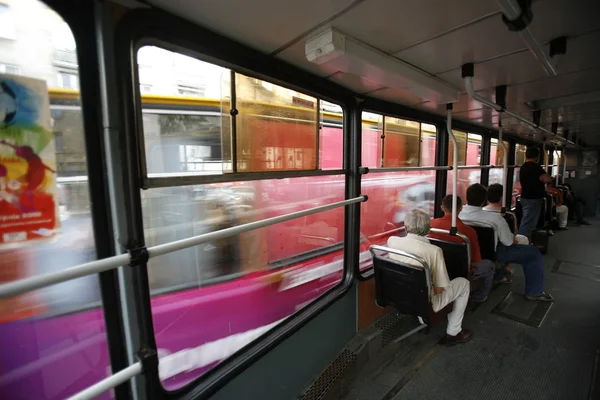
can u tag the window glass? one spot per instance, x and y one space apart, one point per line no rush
331 146
372 125
185 114
401 143
516 186
243 285
428 143
466 177
520 154
497 152
53 340
469 146
496 176
461 140
277 127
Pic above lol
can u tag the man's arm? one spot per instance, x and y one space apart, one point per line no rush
505 236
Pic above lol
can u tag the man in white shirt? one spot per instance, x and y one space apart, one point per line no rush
508 251
494 200
445 291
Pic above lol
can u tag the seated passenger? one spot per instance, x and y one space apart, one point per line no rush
445 291
494 200
508 251
480 269
562 211
575 205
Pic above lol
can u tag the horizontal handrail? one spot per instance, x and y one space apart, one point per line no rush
109 383
475 167
36 282
407 169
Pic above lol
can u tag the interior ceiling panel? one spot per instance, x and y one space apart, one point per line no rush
356 83
553 18
502 71
576 82
469 44
396 96
391 25
265 25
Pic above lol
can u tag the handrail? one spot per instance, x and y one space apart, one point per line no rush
405 169
454 164
109 383
402 253
36 282
477 167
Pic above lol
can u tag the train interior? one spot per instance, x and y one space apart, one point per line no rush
529 67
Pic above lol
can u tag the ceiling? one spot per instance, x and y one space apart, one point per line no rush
438 37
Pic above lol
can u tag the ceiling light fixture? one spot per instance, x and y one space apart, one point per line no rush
347 54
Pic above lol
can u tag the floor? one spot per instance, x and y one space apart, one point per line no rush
508 359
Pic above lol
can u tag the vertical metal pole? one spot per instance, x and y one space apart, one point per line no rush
486 151
319 130
564 170
382 141
420 144
504 162
352 161
441 159
558 160
454 165
233 112
545 155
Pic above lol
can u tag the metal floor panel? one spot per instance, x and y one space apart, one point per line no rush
510 360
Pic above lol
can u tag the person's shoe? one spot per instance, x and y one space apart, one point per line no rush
547 297
583 222
463 337
550 233
562 228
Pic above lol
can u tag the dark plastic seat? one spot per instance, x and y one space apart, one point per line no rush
405 287
487 239
457 256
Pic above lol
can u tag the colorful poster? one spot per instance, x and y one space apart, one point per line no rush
28 196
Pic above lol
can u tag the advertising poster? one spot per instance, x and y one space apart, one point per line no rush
28 195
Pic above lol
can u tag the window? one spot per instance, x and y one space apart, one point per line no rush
276 129
401 143
395 142
255 279
497 152
520 151
67 80
60 327
469 153
7 22
9 69
274 271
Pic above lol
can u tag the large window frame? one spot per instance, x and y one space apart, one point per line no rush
156 28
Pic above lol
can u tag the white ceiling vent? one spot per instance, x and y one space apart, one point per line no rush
349 55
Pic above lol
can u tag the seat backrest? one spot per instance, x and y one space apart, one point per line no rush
401 285
487 239
457 256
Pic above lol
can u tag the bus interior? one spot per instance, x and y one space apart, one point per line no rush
196 197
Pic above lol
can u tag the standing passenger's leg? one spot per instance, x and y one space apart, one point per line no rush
531 215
